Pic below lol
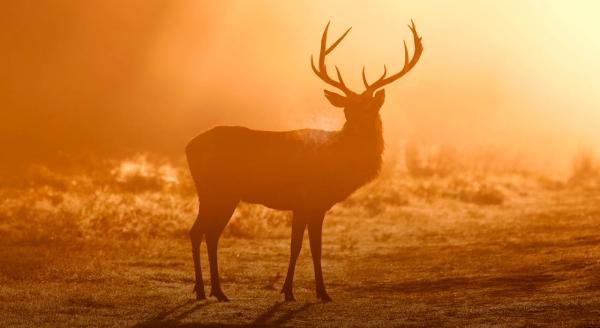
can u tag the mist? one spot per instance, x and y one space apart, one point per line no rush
112 78
480 208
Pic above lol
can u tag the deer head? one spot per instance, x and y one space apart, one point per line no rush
362 107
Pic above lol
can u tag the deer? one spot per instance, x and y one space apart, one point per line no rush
304 171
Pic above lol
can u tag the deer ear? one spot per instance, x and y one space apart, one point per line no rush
379 98
335 99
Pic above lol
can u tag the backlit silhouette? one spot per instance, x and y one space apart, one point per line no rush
305 171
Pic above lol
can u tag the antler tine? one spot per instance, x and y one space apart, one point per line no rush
312 65
337 41
408 64
384 73
321 72
405 53
323 50
379 79
340 77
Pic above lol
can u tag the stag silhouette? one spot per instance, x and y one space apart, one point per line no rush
306 171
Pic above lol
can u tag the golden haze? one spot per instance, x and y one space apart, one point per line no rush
517 77
456 232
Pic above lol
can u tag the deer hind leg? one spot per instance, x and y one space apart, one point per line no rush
298 227
315 229
196 235
219 213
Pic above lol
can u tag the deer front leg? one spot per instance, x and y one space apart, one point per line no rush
315 228
298 227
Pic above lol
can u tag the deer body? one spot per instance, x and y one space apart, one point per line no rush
306 171
292 170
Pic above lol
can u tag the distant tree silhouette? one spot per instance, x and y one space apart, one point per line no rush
306 171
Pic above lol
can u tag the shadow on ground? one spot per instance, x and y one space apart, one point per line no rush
273 316
517 283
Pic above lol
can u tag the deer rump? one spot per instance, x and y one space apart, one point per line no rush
290 170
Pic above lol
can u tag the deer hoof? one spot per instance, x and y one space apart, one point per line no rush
289 297
200 295
220 296
324 297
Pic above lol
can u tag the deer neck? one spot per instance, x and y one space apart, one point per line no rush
364 138
363 146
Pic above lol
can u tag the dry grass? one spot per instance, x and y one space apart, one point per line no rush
465 247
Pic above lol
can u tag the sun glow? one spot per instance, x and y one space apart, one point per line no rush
517 76
484 209
139 167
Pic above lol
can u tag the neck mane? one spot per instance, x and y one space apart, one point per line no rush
363 147
365 138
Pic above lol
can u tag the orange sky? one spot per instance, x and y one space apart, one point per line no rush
518 76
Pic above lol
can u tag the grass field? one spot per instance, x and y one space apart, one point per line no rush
464 247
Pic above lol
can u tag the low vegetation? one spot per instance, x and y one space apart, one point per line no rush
432 242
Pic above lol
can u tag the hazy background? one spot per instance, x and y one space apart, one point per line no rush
110 78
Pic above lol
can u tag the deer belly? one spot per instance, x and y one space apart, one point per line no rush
277 196
292 196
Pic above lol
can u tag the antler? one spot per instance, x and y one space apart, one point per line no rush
408 65
322 71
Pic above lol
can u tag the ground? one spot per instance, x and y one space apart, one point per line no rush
503 250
